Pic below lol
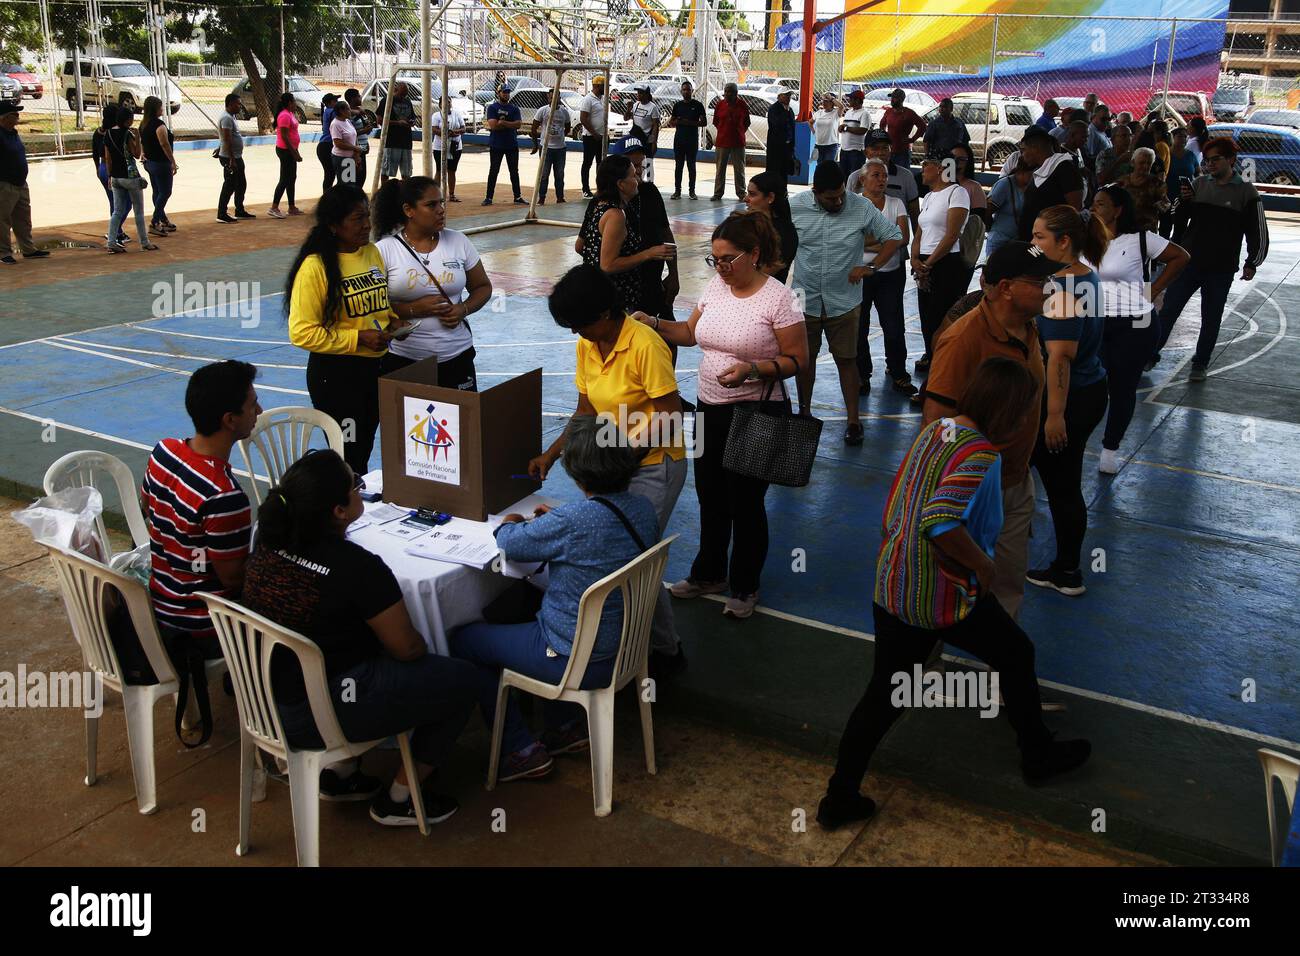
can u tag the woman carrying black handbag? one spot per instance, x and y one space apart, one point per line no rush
751 333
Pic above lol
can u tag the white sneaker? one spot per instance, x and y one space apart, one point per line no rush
740 607
1109 464
276 214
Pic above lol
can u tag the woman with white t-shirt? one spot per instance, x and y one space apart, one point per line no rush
344 151
751 336
883 288
455 128
824 125
941 275
1131 328
434 275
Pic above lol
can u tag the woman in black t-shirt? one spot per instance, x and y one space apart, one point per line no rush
159 162
306 575
767 193
121 159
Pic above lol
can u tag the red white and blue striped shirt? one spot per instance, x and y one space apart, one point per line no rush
197 514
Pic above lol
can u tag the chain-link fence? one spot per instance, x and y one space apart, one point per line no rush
999 68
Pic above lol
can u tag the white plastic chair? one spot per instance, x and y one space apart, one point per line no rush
640 581
79 469
85 585
282 436
248 640
1285 768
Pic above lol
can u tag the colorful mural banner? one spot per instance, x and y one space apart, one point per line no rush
1123 60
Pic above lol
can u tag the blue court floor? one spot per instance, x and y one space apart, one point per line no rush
1199 534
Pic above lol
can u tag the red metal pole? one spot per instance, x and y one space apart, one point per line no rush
806 67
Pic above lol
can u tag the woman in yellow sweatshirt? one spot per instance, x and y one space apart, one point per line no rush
339 312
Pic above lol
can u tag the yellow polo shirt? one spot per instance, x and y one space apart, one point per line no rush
364 303
626 382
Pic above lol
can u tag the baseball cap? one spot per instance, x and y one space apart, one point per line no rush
856 94
785 92
7 108
1014 260
878 135
628 144
1036 134
897 91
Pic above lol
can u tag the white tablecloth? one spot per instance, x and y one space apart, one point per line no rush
441 596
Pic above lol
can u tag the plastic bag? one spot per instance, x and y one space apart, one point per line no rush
67 519
136 564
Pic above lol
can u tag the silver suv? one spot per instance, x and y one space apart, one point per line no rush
1008 117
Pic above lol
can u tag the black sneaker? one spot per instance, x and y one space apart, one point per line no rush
1057 757
353 789
1069 583
244 214
486 202
388 812
853 434
903 385
573 739
225 217
664 666
676 195
38 254
521 201
586 194
833 812
9 260
693 196
922 365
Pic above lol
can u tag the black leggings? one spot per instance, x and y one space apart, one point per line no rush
949 278
591 153
288 175
732 513
1127 343
1062 471
326 159
457 372
989 633
346 388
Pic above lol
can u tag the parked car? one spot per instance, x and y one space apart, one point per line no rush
488 92
677 79
11 91
665 94
1265 154
1006 123
472 111
30 83
877 101
127 82
306 98
1270 117
1232 103
1185 104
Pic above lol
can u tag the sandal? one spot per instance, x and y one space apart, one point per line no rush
454 199
149 247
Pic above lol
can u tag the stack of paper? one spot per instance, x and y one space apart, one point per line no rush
456 546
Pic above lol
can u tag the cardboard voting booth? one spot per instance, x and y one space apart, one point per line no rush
455 451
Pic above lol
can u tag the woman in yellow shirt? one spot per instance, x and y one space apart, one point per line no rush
339 312
625 375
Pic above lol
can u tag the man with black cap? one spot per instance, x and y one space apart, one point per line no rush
1015 293
780 135
854 125
902 181
644 114
503 123
1057 179
15 199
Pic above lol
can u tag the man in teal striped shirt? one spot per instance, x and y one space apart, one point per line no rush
835 227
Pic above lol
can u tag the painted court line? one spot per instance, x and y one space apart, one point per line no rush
1065 688
172 355
161 368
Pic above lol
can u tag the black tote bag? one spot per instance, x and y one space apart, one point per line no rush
777 447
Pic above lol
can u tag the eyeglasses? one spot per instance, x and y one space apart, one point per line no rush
1214 157
724 263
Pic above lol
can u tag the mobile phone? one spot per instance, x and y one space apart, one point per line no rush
404 331
1185 180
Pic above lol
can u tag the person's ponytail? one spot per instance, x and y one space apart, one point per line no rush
299 511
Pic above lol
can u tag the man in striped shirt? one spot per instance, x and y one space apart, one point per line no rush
200 521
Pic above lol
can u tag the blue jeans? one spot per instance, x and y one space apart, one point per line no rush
433 694
123 199
1214 288
851 159
160 178
826 154
522 648
102 172
554 160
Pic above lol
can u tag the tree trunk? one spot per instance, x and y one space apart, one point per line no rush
266 89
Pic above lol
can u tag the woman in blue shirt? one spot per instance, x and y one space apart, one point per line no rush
1075 394
1006 200
580 542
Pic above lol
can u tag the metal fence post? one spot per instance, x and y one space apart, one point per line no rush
988 100
49 65
1169 65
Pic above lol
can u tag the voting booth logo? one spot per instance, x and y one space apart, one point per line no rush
432 440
